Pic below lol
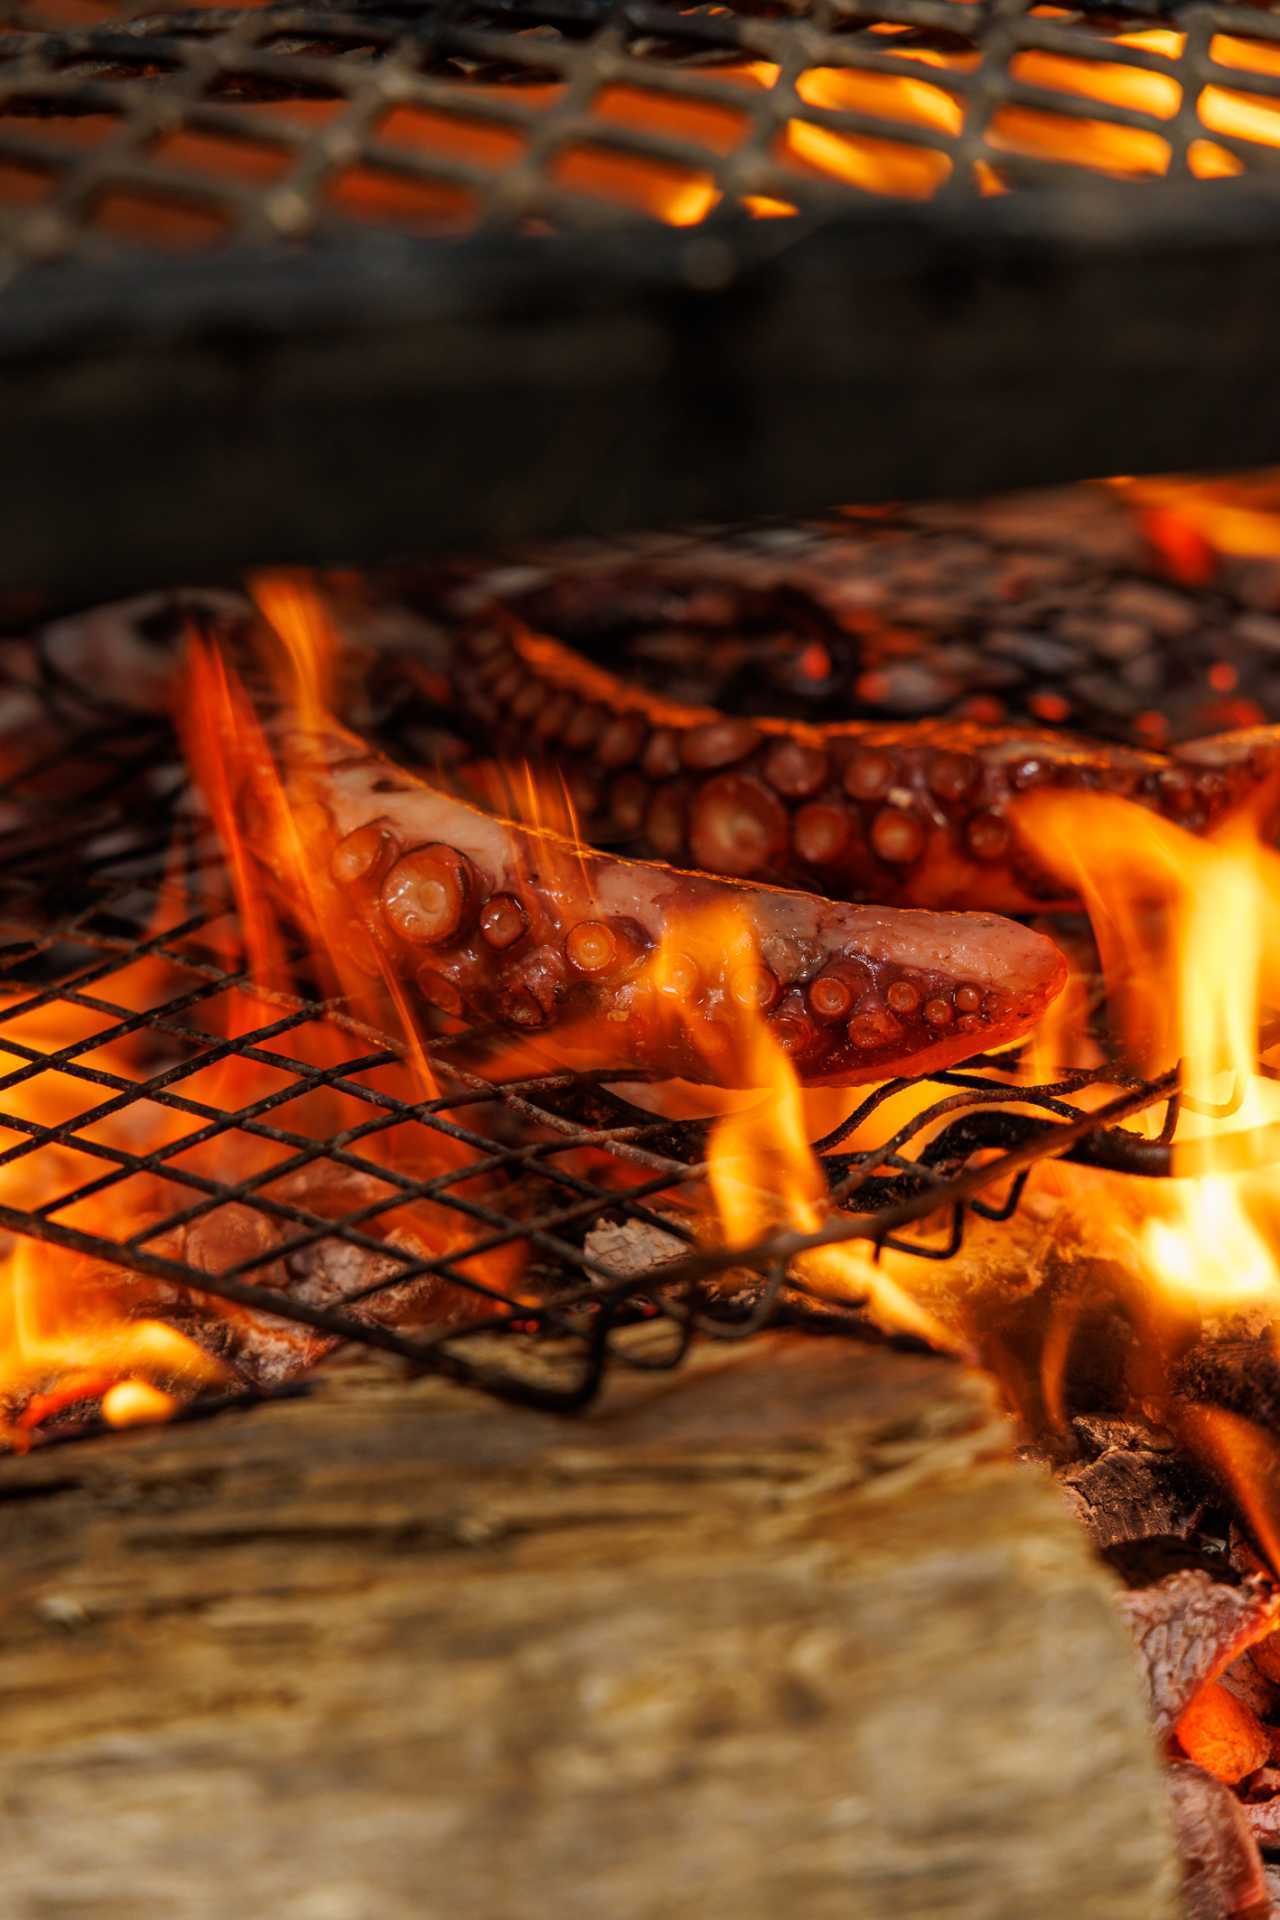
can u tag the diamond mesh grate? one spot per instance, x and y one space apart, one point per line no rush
150 1100
194 128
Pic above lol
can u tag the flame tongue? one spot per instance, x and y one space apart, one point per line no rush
1189 935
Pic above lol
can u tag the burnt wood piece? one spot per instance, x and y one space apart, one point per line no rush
1237 1370
1132 1493
787 1632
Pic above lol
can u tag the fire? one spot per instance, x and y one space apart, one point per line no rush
763 1176
1188 930
78 1332
1211 1249
1239 515
72 1331
268 791
63 1339
1189 936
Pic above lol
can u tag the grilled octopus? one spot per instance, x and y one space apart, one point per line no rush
917 815
520 929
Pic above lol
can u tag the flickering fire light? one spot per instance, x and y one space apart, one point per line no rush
1186 930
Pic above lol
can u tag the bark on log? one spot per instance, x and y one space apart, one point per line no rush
785 1633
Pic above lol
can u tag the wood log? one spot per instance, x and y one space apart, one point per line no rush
786 1632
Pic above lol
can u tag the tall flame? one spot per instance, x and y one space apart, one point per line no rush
1189 934
763 1176
73 1331
266 794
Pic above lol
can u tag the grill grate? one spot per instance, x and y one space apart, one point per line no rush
115 1095
197 127
629 264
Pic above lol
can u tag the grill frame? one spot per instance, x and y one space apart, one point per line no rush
178 418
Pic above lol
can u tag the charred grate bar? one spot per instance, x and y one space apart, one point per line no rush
111 998
628 264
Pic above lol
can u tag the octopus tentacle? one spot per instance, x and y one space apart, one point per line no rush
918 815
521 928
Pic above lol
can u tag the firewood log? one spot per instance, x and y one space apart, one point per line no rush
786 1632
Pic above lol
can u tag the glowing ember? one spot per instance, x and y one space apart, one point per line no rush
136 1403
66 1338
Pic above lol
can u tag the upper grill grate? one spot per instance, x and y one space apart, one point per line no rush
196 128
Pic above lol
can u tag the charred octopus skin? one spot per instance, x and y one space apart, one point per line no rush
919 815
520 929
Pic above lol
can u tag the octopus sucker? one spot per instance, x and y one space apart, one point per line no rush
922 814
505 925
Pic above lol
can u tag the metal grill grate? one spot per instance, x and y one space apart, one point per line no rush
114 1032
196 127
335 285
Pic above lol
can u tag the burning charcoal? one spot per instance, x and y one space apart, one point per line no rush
1100 1433
1121 639
229 1236
632 1248
1263 1817
1238 1371
1223 1735
1222 1877
1103 693
1160 609
911 687
1038 650
1132 1493
1189 1628
1247 1683
1256 582
271 1351
328 1271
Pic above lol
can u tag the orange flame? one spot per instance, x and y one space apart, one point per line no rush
70 1330
75 1331
1189 935
266 795
1239 515
762 1173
